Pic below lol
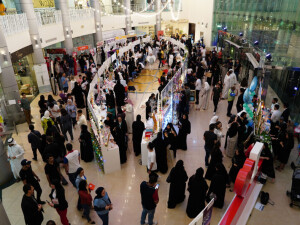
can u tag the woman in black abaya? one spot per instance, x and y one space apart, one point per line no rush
110 99
216 157
138 128
78 94
237 163
86 146
161 153
184 130
119 135
177 179
197 187
170 136
120 93
218 186
267 166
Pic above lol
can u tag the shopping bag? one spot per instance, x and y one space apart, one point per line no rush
208 74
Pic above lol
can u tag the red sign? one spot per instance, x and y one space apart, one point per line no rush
56 51
74 54
82 48
160 33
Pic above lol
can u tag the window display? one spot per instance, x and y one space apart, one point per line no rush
25 75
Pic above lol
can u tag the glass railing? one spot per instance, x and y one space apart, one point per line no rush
80 14
141 8
12 24
48 16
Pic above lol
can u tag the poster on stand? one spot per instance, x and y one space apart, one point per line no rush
207 212
160 33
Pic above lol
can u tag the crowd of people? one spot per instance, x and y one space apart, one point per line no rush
60 118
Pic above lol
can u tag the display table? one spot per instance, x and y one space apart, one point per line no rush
111 157
107 152
144 149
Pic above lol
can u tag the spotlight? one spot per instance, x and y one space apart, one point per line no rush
241 34
256 43
225 29
268 56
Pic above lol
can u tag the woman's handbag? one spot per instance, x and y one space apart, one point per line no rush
208 74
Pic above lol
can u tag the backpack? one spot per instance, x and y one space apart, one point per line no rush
264 197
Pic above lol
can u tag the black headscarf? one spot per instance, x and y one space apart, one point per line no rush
99 192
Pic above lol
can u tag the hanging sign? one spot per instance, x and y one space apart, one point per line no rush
82 48
43 3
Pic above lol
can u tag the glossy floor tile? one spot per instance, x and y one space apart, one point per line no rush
123 186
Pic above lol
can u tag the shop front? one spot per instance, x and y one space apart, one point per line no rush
175 27
22 62
147 29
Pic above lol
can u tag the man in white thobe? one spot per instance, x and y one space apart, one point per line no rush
229 81
15 155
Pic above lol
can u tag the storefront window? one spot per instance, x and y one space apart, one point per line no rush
25 76
84 40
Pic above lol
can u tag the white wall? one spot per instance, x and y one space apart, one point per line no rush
83 27
112 22
51 34
201 13
18 41
138 20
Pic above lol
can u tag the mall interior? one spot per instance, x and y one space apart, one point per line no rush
140 93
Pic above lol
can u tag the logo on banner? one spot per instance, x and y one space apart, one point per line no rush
82 48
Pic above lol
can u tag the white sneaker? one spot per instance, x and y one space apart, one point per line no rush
214 113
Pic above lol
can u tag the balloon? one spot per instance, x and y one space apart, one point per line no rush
246 96
253 84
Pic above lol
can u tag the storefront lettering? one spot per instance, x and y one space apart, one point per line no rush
43 3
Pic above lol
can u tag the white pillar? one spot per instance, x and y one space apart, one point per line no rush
158 16
40 67
63 5
9 85
128 16
98 27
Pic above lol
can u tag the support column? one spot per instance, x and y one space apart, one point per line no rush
158 16
98 27
63 5
9 85
3 215
128 16
40 67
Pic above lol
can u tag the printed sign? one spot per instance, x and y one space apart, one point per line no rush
43 3
82 48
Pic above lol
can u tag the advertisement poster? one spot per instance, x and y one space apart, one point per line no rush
208 212
74 54
160 33
43 3
82 48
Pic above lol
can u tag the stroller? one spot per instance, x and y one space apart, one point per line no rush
295 189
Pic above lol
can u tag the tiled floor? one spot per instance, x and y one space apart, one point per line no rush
123 186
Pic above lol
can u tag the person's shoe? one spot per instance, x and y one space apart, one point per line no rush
42 202
92 222
35 159
214 113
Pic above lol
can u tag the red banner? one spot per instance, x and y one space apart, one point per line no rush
82 48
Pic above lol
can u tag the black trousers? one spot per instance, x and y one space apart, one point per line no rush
197 97
216 102
34 151
38 190
230 103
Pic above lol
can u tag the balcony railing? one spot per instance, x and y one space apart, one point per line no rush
14 23
79 14
45 17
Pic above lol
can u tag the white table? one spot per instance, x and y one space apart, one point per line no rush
111 157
